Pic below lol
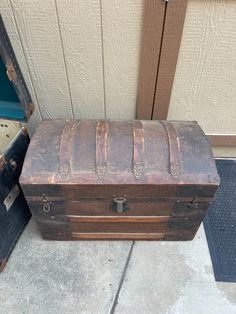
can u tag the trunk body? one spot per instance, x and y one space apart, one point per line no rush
147 180
16 108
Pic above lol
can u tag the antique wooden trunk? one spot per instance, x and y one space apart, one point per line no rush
147 180
15 109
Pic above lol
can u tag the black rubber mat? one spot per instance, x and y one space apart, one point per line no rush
220 224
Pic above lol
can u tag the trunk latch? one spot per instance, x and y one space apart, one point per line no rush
120 204
194 203
45 204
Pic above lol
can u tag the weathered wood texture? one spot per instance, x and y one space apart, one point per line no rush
151 37
77 184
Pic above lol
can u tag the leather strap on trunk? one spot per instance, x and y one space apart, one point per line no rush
65 149
101 148
174 149
138 154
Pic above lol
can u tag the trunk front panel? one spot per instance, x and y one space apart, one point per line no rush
100 207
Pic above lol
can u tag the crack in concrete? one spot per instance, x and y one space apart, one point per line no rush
115 302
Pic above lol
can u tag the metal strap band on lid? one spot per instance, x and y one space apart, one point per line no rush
174 149
138 154
101 148
65 149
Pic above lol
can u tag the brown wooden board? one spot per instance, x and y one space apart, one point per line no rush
222 140
101 207
173 28
152 29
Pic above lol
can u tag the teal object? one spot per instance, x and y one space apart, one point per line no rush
10 107
11 110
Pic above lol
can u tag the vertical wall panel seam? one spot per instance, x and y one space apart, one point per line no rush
26 60
103 62
64 59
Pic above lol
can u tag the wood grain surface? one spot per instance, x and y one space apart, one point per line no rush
126 219
222 140
117 236
172 33
152 29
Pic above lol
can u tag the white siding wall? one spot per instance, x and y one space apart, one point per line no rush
81 58
205 81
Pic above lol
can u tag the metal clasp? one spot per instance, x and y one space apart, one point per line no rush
120 204
194 203
45 204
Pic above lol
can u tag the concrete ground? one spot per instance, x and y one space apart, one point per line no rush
112 277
